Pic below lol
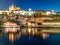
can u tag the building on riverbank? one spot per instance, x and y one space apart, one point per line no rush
51 22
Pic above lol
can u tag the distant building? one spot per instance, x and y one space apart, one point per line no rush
40 12
18 10
4 12
50 12
14 8
51 22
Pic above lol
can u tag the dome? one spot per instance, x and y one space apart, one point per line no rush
18 8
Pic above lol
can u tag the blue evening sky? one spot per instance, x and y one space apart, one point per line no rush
33 4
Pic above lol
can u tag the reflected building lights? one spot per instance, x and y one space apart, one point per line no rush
29 30
11 37
34 32
45 35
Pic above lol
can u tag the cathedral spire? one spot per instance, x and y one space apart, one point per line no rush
13 7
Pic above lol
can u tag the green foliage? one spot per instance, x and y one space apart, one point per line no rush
4 13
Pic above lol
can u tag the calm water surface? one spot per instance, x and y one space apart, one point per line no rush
29 36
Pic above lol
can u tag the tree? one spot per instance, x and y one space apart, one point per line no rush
4 13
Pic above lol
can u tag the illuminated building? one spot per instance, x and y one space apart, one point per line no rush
11 27
40 12
50 12
17 10
52 23
14 8
4 12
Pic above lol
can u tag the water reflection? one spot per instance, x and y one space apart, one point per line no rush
12 37
30 32
34 32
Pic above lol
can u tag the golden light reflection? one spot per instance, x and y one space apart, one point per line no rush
33 33
11 37
36 31
29 30
17 36
45 35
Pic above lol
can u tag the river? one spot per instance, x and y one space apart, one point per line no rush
29 36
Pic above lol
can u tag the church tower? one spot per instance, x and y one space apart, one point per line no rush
12 8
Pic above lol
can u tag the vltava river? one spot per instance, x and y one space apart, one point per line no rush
29 36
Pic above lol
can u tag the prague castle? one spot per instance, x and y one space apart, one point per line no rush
14 8
17 10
